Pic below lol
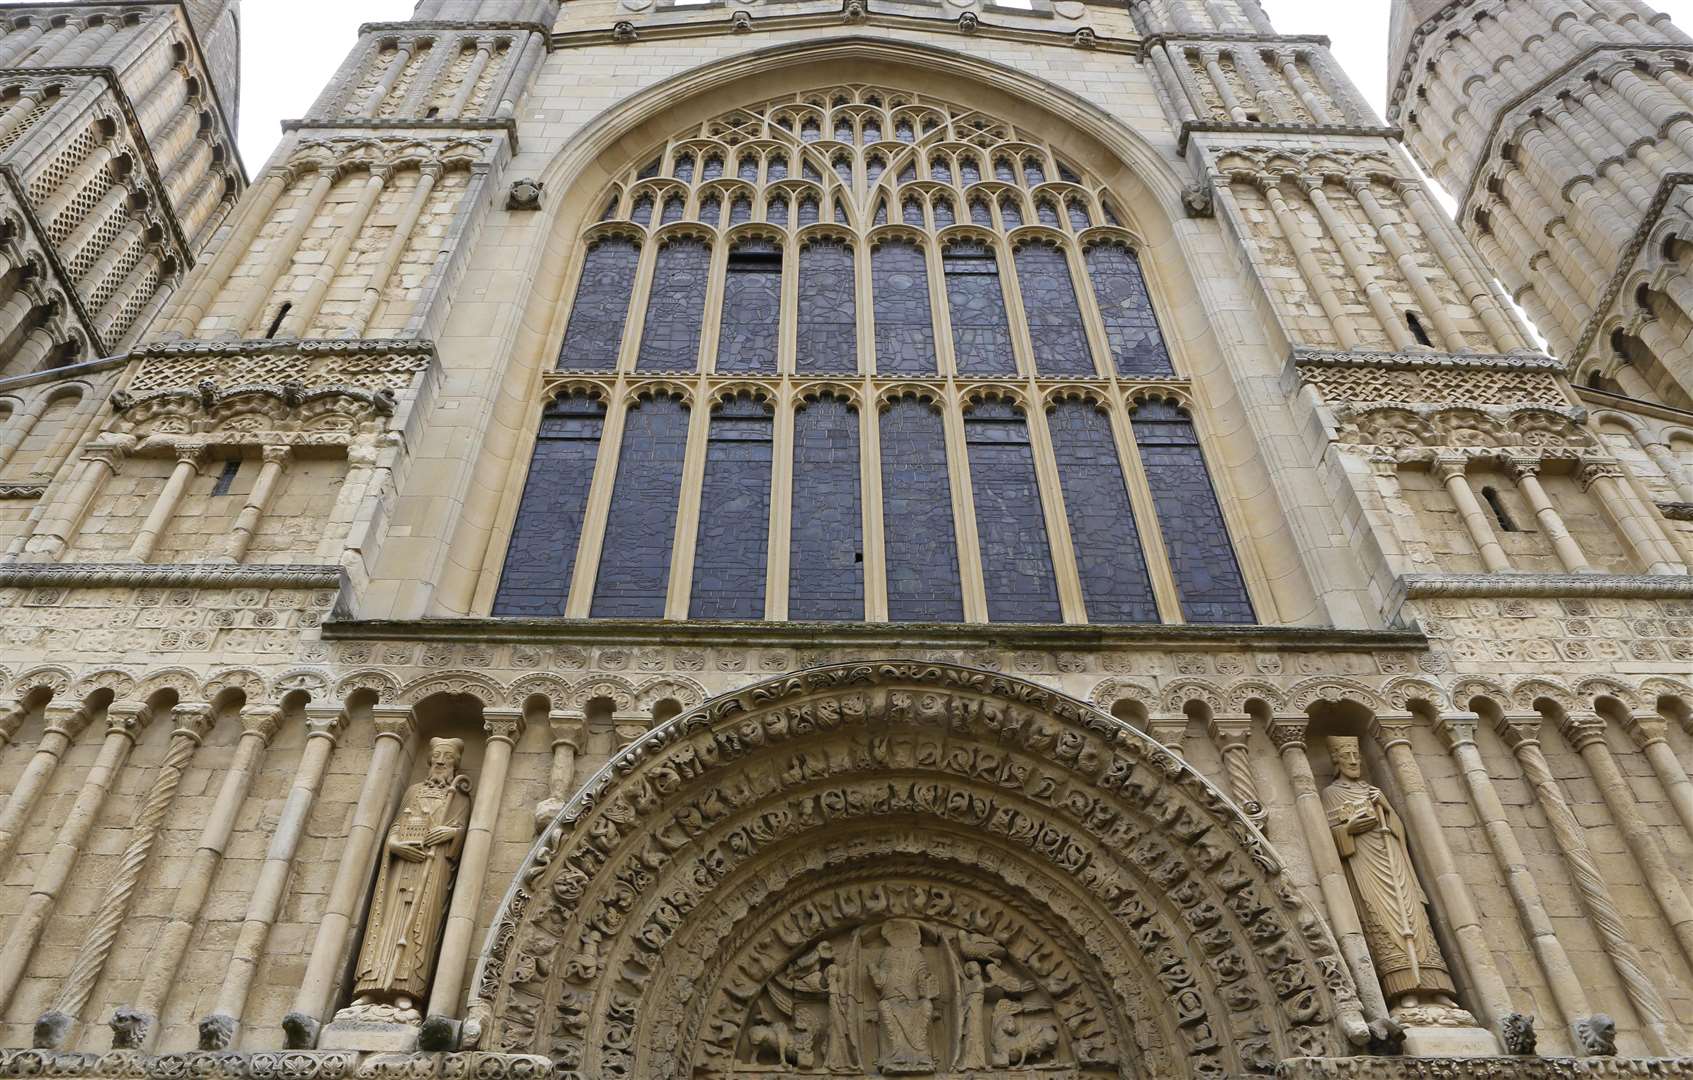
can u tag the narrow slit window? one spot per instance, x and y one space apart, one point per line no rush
1417 330
1501 515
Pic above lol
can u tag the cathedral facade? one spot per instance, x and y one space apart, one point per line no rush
973 539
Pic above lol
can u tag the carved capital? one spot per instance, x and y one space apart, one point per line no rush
1593 470
1447 466
1230 732
128 718
68 720
325 722
190 453
1289 731
503 725
1521 468
277 455
1582 730
261 720
395 722
1646 729
1519 730
1391 729
567 728
193 719
1457 729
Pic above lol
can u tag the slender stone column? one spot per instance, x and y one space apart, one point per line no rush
124 722
1457 730
99 464
32 355
1393 733
472 76
10 722
1314 105
258 727
64 724
255 211
1526 472
396 728
1647 730
1173 84
1220 83
1651 549
19 425
428 175
15 43
1288 733
390 78
281 255
1586 733
1363 271
1521 732
55 1026
1451 338
504 728
346 233
568 733
188 457
1450 470
443 51
264 489
1231 734
323 728
1662 456
1316 279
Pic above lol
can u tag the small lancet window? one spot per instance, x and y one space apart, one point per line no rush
226 478
843 168
1417 330
874 166
908 174
809 171
944 214
810 131
872 129
777 169
713 168
843 128
969 170
1010 213
913 211
940 170
778 211
1490 496
281 314
684 170
808 211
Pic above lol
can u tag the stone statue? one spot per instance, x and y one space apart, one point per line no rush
907 991
838 980
410 905
1371 840
972 1042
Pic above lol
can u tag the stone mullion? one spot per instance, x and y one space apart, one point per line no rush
323 727
1165 591
600 490
870 485
1650 547
973 588
377 284
1392 732
1472 281
940 306
1066 572
502 728
64 724
252 215
1450 471
1526 472
1457 731
1016 316
385 776
124 723
685 538
346 233
1093 323
1305 257
1361 269
1288 734
1647 731
1521 734
1586 735
780 526
164 957
280 256
1451 337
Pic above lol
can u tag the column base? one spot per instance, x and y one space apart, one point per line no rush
1450 1042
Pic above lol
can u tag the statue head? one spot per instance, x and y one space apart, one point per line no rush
902 933
1348 762
444 757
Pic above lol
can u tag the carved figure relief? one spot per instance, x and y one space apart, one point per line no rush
1371 839
902 997
420 856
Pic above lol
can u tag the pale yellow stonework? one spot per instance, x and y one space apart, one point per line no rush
266 434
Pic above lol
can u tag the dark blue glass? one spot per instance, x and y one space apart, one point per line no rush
1207 575
670 340
828 328
969 169
826 549
808 213
1047 213
734 534
542 554
1131 326
905 331
917 524
601 308
940 169
874 167
1115 582
684 169
981 338
1010 527
752 309
634 573
1011 213
1078 215
1054 316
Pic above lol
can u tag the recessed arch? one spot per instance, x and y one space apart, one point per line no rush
830 818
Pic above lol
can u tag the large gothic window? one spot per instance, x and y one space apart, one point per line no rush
926 377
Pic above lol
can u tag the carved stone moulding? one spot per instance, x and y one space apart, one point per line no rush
370 365
151 576
1358 358
1481 1068
905 867
276 1065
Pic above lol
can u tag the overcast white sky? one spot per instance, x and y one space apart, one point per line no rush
292 47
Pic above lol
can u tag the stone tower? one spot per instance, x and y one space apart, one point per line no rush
842 538
1561 130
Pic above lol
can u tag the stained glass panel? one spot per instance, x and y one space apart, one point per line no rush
1131 326
905 330
634 572
1010 527
1053 314
752 309
826 551
1115 583
597 317
981 337
733 539
828 331
542 552
670 340
917 525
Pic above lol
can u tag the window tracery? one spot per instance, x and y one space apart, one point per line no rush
885 248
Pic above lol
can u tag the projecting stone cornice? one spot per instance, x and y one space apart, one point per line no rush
754 634
1207 127
448 26
853 13
1536 586
1147 44
164 575
1416 361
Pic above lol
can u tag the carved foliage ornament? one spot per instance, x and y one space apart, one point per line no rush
905 868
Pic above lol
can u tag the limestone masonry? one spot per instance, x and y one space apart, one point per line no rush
971 539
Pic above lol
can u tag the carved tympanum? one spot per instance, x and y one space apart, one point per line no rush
420 856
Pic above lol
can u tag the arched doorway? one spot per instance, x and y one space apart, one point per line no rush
905 868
